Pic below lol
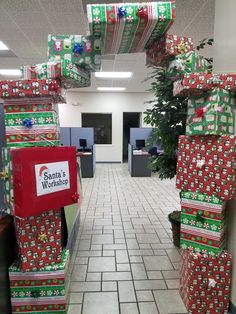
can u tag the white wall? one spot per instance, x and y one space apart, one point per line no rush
115 103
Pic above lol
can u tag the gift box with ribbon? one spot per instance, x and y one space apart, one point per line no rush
205 282
69 75
43 291
202 223
129 27
29 125
44 90
166 47
187 63
39 240
211 113
43 178
206 165
84 51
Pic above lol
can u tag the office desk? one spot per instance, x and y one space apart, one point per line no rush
86 162
138 163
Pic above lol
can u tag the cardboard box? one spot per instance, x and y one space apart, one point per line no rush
202 223
206 165
129 27
51 179
44 291
29 125
205 282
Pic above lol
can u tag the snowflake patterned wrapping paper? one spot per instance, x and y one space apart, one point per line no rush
202 223
187 63
69 75
22 90
44 291
167 46
39 240
129 27
84 51
205 282
6 176
211 113
42 128
196 83
206 165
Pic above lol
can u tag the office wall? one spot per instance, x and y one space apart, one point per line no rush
115 103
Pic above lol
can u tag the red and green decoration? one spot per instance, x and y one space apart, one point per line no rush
211 113
7 179
44 291
129 28
82 51
29 125
68 74
206 165
205 281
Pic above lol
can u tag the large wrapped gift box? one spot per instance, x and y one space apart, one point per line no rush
31 125
195 83
84 51
211 113
202 223
39 240
166 47
47 90
205 282
206 165
69 75
43 178
187 63
44 291
129 27
6 176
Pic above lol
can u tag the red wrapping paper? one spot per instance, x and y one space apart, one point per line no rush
39 240
205 282
206 164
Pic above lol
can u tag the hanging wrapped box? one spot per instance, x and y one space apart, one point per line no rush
205 282
187 63
84 51
166 47
44 291
43 178
39 240
31 125
18 91
69 75
211 113
129 27
206 165
202 223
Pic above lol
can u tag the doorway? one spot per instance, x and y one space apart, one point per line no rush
130 120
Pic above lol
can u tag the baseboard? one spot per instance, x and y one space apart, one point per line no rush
108 162
232 308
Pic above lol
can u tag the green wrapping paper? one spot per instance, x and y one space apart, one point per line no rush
202 223
84 51
141 24
6 176
43 132
211 113
70 75
43 292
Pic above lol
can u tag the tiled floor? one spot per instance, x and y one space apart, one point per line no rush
125 261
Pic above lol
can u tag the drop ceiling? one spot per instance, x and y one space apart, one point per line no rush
25 24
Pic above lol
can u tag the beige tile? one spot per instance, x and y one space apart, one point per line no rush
169 302
101 264
129 308
157 263
144 296
170 274
76 297
74 309
172 283
109 286
126 291
149 284
148 308
98 303
107 276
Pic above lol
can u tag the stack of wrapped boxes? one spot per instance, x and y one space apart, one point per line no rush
206 176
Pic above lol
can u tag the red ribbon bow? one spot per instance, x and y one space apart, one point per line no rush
75 197
54 87
142 12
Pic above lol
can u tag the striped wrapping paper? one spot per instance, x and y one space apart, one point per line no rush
202 223
44 291
132 32
43 132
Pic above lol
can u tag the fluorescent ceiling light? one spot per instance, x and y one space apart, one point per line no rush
9 72
113 74
111 89
3 46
